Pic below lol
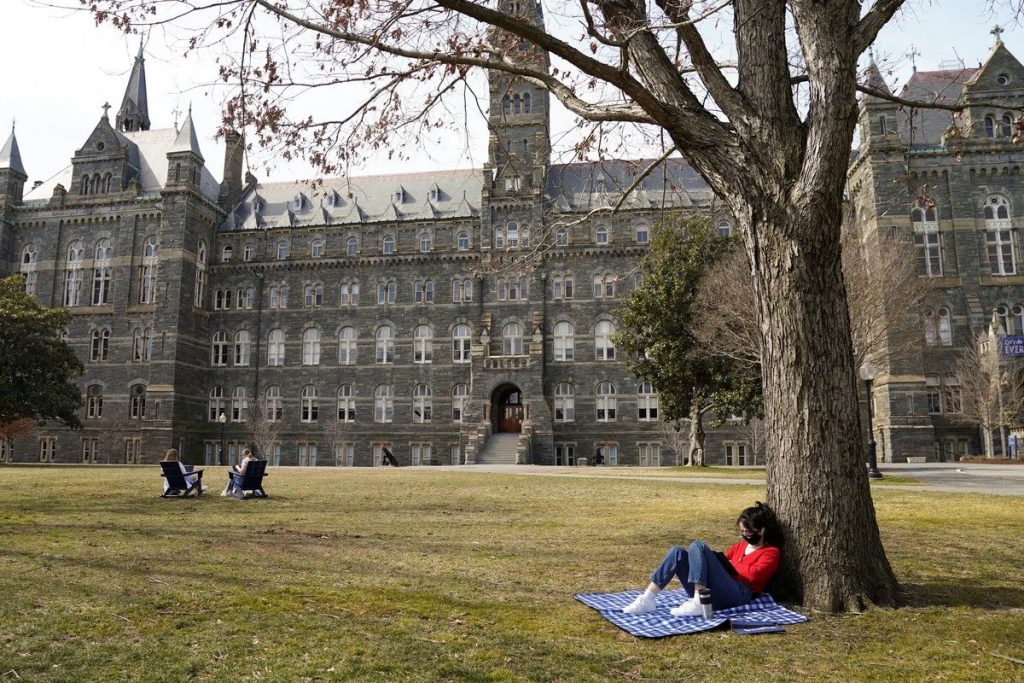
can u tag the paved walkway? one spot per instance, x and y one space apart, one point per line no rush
1002 480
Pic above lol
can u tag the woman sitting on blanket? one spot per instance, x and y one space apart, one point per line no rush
734 577
172 456
247 457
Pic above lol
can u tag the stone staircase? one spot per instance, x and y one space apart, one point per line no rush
500 449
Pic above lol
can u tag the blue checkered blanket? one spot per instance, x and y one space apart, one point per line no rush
761 611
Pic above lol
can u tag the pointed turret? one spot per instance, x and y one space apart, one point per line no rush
187 140
184 159
134 112
12 171
873 79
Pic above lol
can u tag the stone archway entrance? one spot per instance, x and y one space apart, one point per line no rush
507 409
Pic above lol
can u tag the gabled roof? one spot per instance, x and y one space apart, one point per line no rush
577 186
944 87
10 156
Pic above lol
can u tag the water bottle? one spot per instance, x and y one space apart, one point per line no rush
705 602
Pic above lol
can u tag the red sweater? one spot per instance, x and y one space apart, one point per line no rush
756 568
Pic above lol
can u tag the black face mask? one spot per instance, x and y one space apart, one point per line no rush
752 538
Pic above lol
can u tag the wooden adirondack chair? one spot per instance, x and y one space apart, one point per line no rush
251 480
177 483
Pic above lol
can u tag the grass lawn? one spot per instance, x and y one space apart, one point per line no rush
432 575
696 473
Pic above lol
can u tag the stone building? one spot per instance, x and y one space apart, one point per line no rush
950 186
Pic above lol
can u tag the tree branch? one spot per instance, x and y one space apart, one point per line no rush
872 22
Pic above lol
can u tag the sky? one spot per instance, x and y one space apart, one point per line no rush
59 69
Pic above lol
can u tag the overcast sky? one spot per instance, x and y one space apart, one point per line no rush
59 69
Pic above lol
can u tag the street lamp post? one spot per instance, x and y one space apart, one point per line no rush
867 373
222 420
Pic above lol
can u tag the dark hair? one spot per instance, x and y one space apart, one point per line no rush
760 516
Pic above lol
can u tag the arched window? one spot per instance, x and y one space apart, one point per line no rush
647 402
311 346
460 344
643 233
462 242
137 402
601 235
385 344
73 274
562 287
298 202
604 285
383 404
313 295
243 347
422 344
309 406
347 346
562 237
462 290
279 296
387 292
999 236
200 292
565 402
282 250
100 345
274 408
1006 126
101 273
946 327
29 259
346 403
460 397
604 347
422 404
239 405
1016 320
219 349
606 402
86 185
316 248
426 242
512 339
227 253
527 105
517 104
506 104
275 347
147 278
94 402
249 253
388 245
565 341
216 404
930 332
424 291
990 127
352 246
349 293
512 235
927 243
142 344
724 228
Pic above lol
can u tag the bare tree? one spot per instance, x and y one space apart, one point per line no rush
756 435
680 441
264 428
990 393
338 433
770 130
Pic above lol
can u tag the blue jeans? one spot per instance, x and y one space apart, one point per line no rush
698 564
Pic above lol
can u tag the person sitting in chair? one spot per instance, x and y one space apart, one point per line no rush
172 456
247 457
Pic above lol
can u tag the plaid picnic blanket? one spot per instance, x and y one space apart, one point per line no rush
761 611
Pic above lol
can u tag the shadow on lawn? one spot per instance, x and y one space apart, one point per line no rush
963 594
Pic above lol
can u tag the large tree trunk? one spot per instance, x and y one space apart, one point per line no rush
697 436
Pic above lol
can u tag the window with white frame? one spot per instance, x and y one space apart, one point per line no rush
311 346
200 292
562 237
642 232
226 253
137 402
309 404
455 451
460 397
316 247
564 341
600 235
990 126
29 260
724 228
647 402
562 287
383 404
462 241
132 450
604 346
1006 125
346 403
344 454
512 339
422 344
461 343
222 299
47 448
347 345
1010 319
246 298
7 450
94 402
999 236
388 245
219 349
243 348
142 344
385 344
387 292
424 291
565 402
735 454
239 405
74 274
952 397
279 296
313 295
349 293
927 240
565 454
281 250
102 270
307 453
648 454
100 347
938 327
249 252
604 285
275 347
513 289
512 235
933 394
607 453
606 402
352 247
274 404
377 451
420 453
462 290
422 403
426 242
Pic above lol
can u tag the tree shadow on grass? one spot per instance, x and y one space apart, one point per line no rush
963 594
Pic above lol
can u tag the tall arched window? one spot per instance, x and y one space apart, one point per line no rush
309 405
239 405
606 402
352 246
313 295
646 402
200 293
346 403
101 273
29 259
94 402
274 408
604 347
565 402
387 292
100 344
460 397
999 236
422 403
385 344
527 104
142 344
462 243
422 344
316 248
460 344
389 245
275 347
512 339
931 337
1006 126
219 349
349 293
565 341
601 235
426 242
73 274
311 346
462 290
642 232
243 347
383 404
216 404
512 234
147 277
946 326
927 242
249 252
990 126
561 237
282 250
347 346
279 296
137 402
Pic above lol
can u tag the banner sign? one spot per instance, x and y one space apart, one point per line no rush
1011 346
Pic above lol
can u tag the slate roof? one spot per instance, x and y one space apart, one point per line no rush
928 125
186 140
586 186
10 156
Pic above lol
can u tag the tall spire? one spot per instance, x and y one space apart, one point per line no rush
134 112
10 156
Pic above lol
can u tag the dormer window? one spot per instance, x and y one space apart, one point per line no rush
332 199
257 205
599 184
435 194
398 197
298 202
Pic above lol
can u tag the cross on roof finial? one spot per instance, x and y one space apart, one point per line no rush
871 52
913 54
998 33
106 109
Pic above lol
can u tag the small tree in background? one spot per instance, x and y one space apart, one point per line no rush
990 394
264 429
36 367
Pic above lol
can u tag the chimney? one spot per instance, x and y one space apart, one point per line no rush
234 156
